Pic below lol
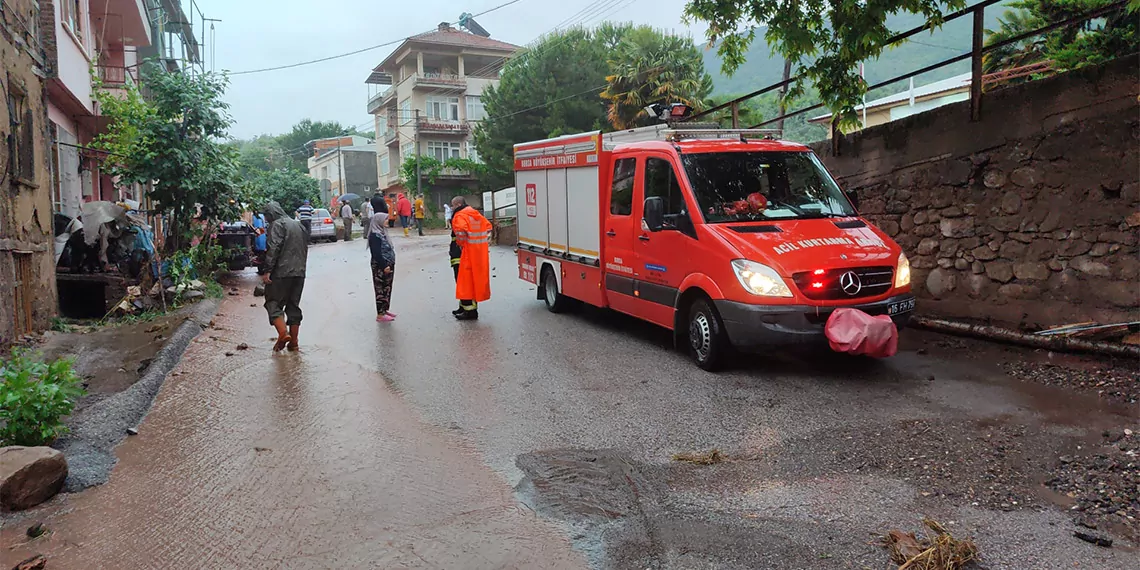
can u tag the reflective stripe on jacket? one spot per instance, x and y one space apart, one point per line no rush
473 236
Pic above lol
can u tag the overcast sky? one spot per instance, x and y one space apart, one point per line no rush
256 34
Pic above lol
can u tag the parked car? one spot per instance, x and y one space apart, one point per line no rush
322 227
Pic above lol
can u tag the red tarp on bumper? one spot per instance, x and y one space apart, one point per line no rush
854 332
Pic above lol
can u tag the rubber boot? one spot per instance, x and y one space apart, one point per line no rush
294 330
282 334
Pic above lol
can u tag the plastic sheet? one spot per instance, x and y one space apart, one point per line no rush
852 331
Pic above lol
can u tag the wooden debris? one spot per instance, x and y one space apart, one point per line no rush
1056 342
940 551
37 562
711 457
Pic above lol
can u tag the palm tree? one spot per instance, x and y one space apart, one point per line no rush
1013 23
650 66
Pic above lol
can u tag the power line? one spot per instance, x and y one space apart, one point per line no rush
359 51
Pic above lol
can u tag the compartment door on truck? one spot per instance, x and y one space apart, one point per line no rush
617 236
662 259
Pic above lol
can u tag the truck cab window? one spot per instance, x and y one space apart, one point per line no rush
661 181
621 193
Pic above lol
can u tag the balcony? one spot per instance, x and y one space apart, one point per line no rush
391 136
455 174
439 80
379 100
115 76
443 127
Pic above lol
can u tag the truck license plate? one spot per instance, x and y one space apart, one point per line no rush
900 307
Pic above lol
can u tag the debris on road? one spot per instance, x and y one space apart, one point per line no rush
1059 343
37 562
132 431
1093 538
243 346
37 530
938 552
259 290
1119 384
1104 483
710 457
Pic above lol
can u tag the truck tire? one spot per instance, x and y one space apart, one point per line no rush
708 344
556 302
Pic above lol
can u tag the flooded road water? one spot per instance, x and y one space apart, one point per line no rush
306 460
533 440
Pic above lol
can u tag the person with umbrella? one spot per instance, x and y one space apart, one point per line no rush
346 217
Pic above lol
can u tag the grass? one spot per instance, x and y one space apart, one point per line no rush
61 325
938 551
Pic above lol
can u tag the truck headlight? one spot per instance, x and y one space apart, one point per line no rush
759 279
902 272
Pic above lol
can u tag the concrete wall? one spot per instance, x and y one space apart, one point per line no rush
27 268
1029 217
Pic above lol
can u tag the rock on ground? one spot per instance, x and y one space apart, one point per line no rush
30 476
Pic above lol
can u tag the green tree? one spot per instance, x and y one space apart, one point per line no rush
652 66
549 90
293 145
1086 43
286 186
824 39
173 139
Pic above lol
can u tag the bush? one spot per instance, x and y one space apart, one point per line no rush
34 398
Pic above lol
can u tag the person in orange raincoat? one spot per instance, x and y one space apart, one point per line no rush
471 235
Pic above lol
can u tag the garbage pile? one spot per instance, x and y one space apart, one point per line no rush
105 238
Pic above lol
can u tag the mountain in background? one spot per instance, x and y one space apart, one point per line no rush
762 68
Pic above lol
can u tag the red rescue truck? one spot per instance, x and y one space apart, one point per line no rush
729 238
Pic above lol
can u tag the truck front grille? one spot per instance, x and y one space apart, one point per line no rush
861 282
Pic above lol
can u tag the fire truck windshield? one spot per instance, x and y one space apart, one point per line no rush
754 186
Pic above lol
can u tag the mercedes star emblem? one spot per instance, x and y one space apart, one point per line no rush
850 283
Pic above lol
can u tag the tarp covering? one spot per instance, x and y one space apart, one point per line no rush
854 332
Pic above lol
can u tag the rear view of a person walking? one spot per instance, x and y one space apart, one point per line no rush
346 217
305 215
471 233
286 256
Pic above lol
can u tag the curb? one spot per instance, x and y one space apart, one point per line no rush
90 447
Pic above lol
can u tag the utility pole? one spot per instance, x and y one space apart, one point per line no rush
416 142
339 168
784 94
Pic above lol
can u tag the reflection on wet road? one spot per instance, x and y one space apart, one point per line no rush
307 460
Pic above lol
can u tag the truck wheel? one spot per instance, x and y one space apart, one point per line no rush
708 345
556 302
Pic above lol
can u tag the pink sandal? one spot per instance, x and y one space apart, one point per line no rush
385 318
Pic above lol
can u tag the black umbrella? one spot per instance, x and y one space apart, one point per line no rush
354 199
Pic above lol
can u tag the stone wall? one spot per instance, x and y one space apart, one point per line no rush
1029 217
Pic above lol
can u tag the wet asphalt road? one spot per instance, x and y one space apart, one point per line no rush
534 440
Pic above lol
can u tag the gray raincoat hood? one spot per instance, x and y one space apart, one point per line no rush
274 211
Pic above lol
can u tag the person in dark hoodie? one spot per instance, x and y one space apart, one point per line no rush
286 255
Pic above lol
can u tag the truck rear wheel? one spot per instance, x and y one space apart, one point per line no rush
708 344
556 302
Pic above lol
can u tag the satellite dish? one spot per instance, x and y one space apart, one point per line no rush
467 22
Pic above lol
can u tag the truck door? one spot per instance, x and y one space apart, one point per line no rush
662 259
617 237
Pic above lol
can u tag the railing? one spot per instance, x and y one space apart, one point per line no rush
440 126
447 79
391 135
115 75
454 173
977 51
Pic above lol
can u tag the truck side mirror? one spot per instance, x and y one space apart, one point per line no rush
654 213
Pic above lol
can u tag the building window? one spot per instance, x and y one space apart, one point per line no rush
472 152
72 16
385 164
406 111
443 108
22 158
475 110
442 151
406 150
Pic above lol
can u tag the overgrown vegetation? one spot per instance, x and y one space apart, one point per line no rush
431 168
1070 47
172 140
34 398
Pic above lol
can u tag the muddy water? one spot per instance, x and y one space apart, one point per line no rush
303 460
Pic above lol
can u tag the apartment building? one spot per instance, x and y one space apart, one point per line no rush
427 102
344 165
110 39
